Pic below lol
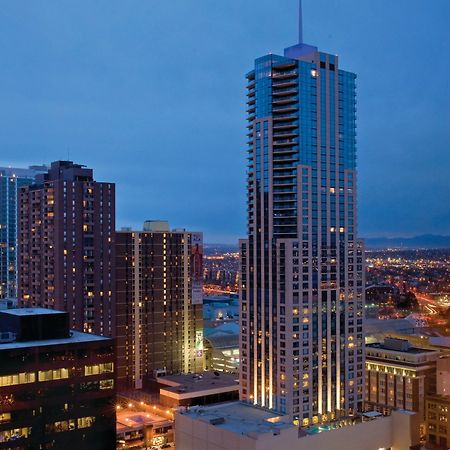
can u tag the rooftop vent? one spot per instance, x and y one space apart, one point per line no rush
217 421
399 345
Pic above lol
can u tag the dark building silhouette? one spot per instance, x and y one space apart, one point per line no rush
56 385
66 223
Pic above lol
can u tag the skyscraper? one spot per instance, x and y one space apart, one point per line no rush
302 265
11 180
66 246
159 303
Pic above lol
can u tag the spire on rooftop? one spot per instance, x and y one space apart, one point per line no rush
300 22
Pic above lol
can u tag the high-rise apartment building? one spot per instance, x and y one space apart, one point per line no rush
66 246
11 180
302 265
159 303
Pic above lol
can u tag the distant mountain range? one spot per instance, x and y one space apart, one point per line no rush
423 241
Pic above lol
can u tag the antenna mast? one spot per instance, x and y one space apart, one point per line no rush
300 22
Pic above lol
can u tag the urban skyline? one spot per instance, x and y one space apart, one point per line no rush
291 332
137 138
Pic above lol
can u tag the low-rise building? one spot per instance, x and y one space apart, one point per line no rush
222 348
438 407
142 430
438 420
239 426
56 385
197 389
398 376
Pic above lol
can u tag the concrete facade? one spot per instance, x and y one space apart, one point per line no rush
302 264
241 427
159 320
66 246
399 377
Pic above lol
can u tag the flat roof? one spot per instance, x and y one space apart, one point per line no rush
76 337
132 420
32 312
204 381
410 350
239 418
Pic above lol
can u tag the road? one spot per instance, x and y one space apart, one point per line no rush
427 303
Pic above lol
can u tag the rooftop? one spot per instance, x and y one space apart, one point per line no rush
134 420
410 350
240 418
373 326
32 312
76 337
223 340
190 384
21 172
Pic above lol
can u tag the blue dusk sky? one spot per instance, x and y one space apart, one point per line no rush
151 94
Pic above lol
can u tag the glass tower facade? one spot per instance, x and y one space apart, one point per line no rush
11 180
302 265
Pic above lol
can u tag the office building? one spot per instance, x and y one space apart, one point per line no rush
159 303
302 265
66 246
399 375
11 180
56 385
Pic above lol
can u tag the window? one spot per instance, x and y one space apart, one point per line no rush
106 384
98 369
18 378
55 374
5 417
60 427
16 433
85 422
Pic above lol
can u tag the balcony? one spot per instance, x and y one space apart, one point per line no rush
285 208
287 158
285 126
286 65
284 183
285 134
284 151
285 100
282 92
285 117
284 84
285 109
282 167
285 142
284 75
